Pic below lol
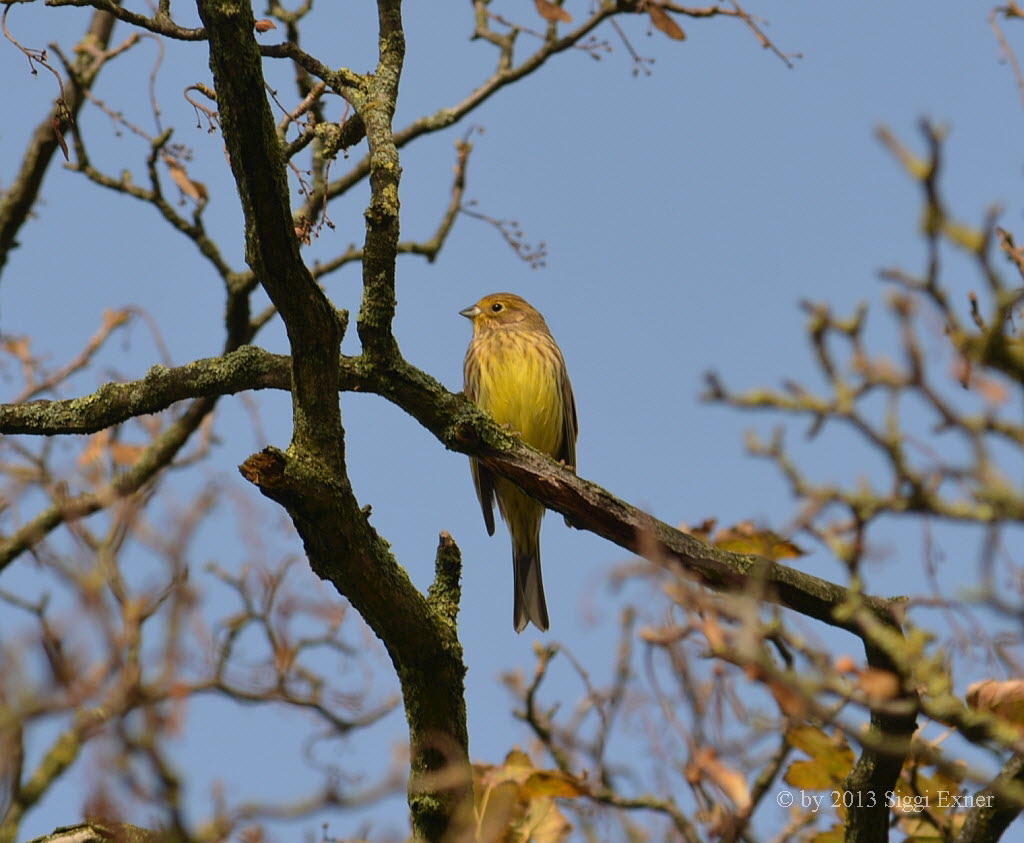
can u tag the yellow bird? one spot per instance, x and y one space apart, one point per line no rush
515 371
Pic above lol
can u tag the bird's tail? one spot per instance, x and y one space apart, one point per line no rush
528 601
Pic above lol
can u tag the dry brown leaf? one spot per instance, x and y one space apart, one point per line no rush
515 801
879 369
95 447
517 768
178 695
879 684
705 765
193 189
1005 699
831 758
102 444
992 391
554 783
847 664
125 455
790 700
552 12
661 635
115 318
663 21
962 370
60 139
546 822
714 633
496 813
18 347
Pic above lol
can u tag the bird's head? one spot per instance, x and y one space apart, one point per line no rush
503 310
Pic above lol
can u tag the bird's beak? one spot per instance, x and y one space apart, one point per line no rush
470 312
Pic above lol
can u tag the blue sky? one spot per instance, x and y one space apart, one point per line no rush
685 215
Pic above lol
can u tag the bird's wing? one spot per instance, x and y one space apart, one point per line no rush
570 428
570 424
484 482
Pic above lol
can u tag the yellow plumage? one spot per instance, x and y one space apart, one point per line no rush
515 371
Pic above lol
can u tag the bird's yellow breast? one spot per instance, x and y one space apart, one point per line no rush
519 386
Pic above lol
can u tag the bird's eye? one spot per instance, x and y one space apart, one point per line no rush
497 307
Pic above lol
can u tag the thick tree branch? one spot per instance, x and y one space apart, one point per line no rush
420 634
237 371
99 832
995 810
310 480
462 427
272 250
377 309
